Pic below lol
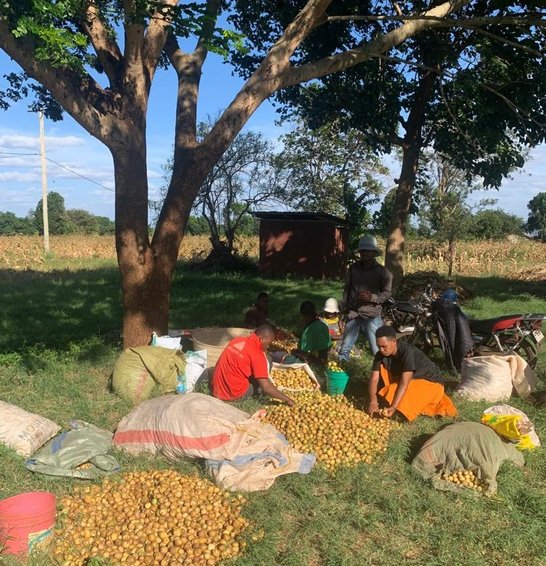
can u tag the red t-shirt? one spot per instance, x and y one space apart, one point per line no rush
242 358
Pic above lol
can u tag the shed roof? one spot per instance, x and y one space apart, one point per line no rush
301 216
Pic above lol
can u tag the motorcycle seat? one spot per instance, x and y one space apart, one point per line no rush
407 306
492 325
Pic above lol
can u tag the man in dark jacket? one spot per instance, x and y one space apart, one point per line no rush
367 286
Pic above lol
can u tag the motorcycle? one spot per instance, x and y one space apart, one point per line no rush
422 322
519 333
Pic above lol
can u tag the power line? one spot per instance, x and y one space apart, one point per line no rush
6 154
82 176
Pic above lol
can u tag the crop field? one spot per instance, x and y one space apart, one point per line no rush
363 504
521 259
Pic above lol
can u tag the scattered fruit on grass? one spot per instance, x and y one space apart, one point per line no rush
465 478
291 378
152 518
331 428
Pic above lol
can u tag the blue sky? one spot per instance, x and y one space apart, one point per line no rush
80 168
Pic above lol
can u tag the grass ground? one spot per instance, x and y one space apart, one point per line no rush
59 338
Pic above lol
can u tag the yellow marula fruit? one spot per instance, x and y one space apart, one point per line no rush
331 428
149 519
292 379
465 478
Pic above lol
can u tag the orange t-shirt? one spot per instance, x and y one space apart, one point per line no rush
242 359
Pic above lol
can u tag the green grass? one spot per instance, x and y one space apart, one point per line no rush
59 338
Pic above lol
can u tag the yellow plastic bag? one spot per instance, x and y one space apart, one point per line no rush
512 424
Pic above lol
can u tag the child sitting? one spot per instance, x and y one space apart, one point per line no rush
330 317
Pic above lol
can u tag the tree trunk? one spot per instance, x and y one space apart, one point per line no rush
452 250
145 274
402 201
411 145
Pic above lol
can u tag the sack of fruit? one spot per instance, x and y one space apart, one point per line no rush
241 451
448 457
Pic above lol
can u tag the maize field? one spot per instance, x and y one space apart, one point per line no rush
519 259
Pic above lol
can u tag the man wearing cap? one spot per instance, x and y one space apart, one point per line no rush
367 286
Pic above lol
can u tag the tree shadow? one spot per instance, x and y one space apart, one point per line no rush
58 309
415 445
504 289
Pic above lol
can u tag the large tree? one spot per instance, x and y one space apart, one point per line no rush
536 221
71 49
243 179
58 221
475 93
331 170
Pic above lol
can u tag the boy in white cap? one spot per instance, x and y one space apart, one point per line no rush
367 286
330 317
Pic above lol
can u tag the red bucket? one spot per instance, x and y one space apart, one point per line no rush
26 520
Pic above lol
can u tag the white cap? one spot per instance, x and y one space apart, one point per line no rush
330 306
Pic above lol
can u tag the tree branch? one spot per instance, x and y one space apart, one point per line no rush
524 19
335 63
138 89
156 35
189 68
107 50
266 79
83 98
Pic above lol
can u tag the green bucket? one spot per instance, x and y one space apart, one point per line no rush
336 381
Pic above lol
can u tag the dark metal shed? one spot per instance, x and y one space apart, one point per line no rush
307 244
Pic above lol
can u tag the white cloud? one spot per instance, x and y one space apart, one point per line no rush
19 177
16 141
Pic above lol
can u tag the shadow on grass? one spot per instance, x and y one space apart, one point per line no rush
68 309
504 289
52 310
415 445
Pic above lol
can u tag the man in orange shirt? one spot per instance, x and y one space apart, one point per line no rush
242 369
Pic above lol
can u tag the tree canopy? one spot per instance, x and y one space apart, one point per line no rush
97 61
536 221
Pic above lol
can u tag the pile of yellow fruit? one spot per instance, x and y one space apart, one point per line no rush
283 345
332 429
465 478
291 378
150 518
333 365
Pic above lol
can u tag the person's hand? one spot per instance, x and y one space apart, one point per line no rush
388 412
373 408
290 402
364 296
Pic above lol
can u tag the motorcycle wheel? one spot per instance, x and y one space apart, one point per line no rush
528 351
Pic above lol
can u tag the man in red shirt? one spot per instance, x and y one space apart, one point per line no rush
242 369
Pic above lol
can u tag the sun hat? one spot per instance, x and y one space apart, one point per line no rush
369 243
331 306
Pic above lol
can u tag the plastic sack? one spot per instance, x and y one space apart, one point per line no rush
241 452
492 378
23 431
512 424
78 453
196 364
147 371
170 342
465 446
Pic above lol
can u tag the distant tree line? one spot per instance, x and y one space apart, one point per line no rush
60 220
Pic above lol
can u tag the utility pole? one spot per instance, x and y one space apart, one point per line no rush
44 181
